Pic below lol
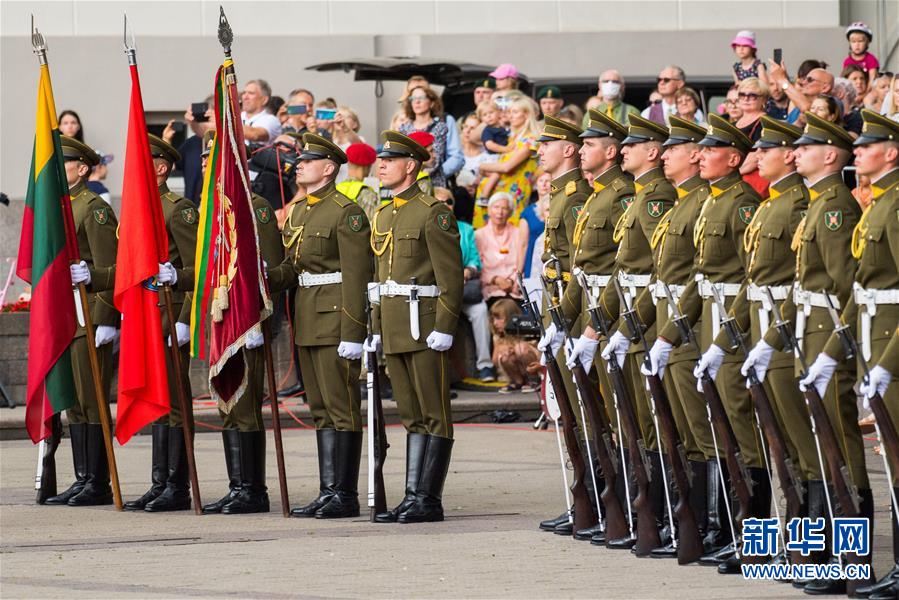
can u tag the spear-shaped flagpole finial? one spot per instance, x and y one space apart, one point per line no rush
130 49
38 44
226 36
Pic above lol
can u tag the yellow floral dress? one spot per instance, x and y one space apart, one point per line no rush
518 183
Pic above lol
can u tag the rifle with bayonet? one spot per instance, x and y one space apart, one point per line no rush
583 508
377 436
647 530
847 495
689 541
733 458
884 422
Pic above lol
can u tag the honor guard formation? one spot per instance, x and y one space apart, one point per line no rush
705 337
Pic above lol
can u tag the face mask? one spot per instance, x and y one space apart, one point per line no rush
610 89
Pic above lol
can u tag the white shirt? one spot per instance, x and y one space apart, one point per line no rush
263 119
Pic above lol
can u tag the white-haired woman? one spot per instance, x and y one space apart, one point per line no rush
499 247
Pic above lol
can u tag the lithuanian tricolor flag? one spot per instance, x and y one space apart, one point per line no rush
45 250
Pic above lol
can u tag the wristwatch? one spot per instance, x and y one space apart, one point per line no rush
785 85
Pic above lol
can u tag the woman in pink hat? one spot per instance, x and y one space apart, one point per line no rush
747 65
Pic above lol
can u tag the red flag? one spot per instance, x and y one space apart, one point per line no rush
143 244
230 282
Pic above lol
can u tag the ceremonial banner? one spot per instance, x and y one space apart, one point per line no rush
143 244
231 298
46 248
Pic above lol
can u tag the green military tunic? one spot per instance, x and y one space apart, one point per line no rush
416 235
876 247
722 258
825 264
181 222
246 413
95 231
327 233
594 253
633 232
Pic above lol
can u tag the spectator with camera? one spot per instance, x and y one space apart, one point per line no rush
199 118
259 125
298 109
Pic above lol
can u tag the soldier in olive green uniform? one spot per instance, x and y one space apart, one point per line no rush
872 310
675 258
169 488
633 268
559 156
243 431
721 262
326 238
95 228
594 253
418 271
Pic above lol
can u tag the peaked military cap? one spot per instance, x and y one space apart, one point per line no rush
159 148
72 149
643 130
602 125
396 145
722 134
556 129
819 131
877 128
777 134
487 82
683 132
549 91
315 147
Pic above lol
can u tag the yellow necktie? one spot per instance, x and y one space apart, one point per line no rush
609 111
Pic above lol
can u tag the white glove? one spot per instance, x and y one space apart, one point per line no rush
551 339
583 351
80 273
658 358
758 358
254 339
182 334
349 350
709 363
878 381
372 344
618 344
167 274
104 334
439 342
819 374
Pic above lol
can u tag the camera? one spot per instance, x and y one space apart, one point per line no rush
274 165
525 326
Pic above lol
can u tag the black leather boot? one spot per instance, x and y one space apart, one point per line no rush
817 508
345 501
551 524
231 444
97 490
599 527
176 495
891 579
78 435
890 593
326 442
253 494
159 469
416 448
428 505
759 508
698 499
718 541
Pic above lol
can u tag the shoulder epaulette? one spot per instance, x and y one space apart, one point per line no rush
426 199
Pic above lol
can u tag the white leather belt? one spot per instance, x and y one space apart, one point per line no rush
629 284
658 293
806 300
867 301
307 280
757 293
596 284
392 288
725 289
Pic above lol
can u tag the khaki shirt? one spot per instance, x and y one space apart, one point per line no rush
95 232
326 232
415 235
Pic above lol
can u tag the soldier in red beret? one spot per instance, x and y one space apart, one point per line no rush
360 158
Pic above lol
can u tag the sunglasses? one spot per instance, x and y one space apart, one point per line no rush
417 98
810 79
748 96
667 79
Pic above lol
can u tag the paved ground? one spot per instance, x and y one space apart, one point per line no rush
503 480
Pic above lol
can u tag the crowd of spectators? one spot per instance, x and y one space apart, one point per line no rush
484 163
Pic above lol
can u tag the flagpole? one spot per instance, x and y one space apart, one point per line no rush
276 416
40 48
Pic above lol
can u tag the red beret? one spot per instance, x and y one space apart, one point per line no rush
423 138
360 154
